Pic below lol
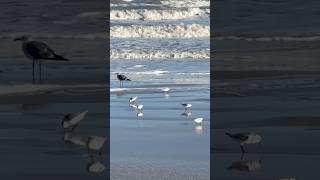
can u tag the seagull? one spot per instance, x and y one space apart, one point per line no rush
38 52
72 120
133 105
198 121
133 100
245 138
186 106
95 167
122 77
95 143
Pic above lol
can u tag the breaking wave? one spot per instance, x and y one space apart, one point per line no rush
186 3
158 54
165 31
156 14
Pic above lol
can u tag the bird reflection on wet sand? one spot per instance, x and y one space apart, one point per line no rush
93 144
245 166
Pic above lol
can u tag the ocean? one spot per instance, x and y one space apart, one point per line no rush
160 44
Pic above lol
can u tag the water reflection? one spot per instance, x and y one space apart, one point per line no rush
198 129
245 166
95 166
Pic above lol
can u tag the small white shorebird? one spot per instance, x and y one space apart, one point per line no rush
140 107
133 100
38 52
245 138
166 91
187 106
198 121
72 120
95 144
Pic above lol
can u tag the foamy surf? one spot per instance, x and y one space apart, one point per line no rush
186 3
158 54
158 14
164 31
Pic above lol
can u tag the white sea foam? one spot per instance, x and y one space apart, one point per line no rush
164 31
157 14
158 54
186 3
137 66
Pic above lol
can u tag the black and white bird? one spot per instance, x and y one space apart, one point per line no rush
72 120
38 52
121 78
187 106
95 144
133 100
245 138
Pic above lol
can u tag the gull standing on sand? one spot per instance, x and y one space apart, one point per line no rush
38 52
198 121
96 143
245 138
121 78
72 120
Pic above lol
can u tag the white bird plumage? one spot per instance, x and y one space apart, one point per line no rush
133 99
166 89
198 121
140 107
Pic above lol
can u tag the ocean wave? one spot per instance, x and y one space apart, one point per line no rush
116 5
271 38
157 14
186 3
158 54
165 31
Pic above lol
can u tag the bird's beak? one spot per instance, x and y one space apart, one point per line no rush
17 39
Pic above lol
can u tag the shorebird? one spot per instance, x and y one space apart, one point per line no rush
38 52
245 138
186 106
133 100
95 167
121 78
198 121
72 120
95 144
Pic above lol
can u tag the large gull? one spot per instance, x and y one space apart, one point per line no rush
38 52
